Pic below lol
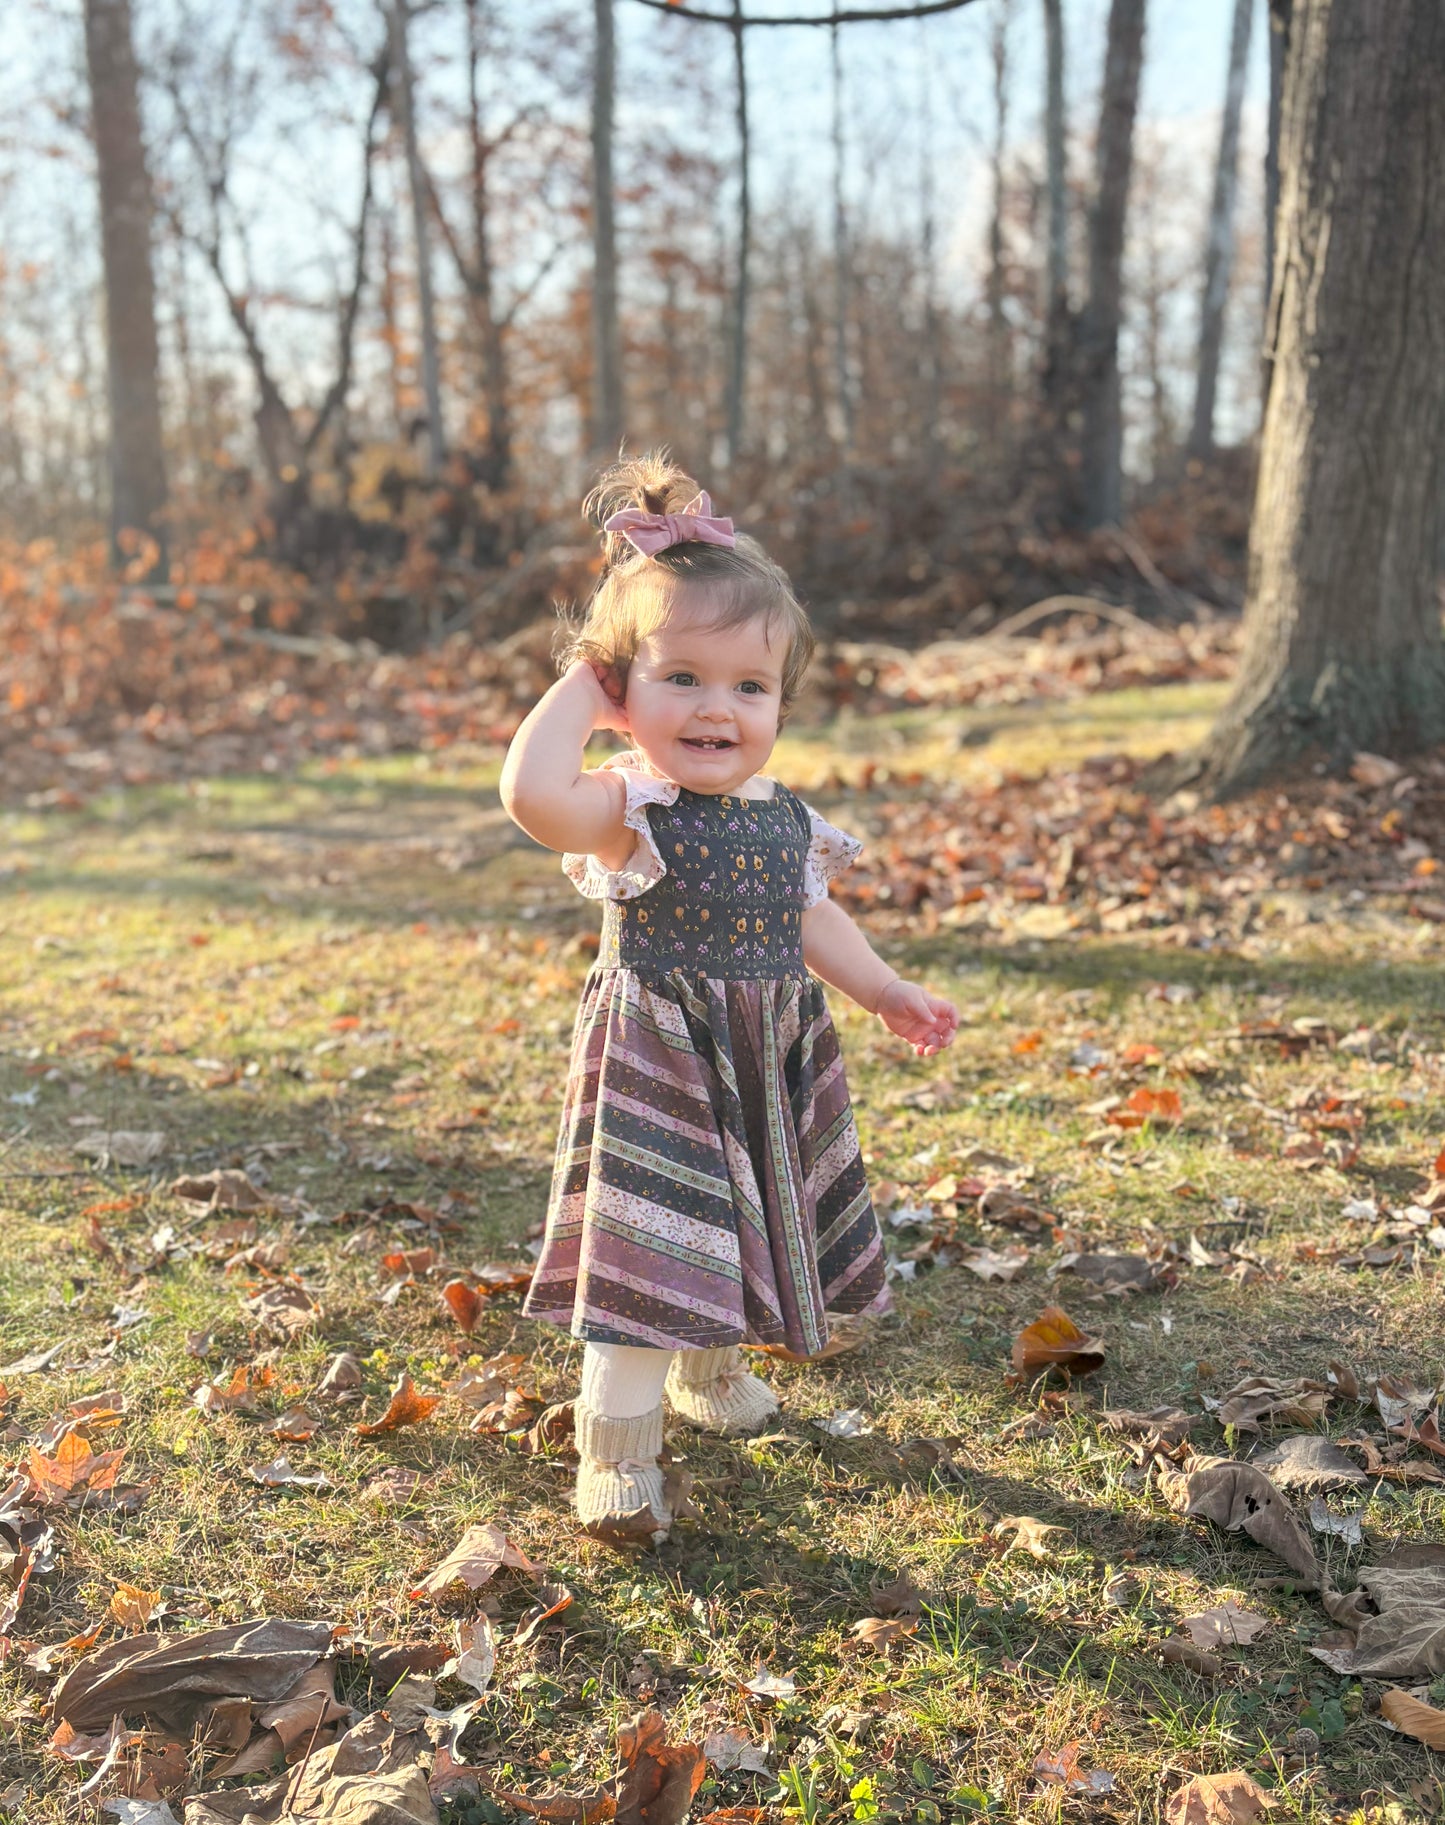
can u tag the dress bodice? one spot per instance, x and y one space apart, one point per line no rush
730 904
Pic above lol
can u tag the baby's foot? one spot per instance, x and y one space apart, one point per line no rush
711 1390
619 1482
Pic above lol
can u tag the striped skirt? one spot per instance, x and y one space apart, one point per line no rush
708 1186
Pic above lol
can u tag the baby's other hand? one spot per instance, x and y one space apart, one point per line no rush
925 1021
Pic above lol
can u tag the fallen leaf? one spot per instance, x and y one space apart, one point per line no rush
139 1812
206 1193
133 1607
764 1684
1115 1274
1307 1461
236 1395
1406 1639
847 1422
1161 1425
996 1264
465 1303
476 1660
1223 1627
1422 1721
475 1558
284 1310
1184 1654
278 1474
405 1408
342 1377
1324 1520
660 1778
733 1752
900 1598
1054 1341
370 1776
883 1633
552 1599
1028 1534
1147 1106
167 1676
1218 1799
409 1261
74 1472
295 1426
1060 1768
1260 1397
123 1146
308 1708
1235 1495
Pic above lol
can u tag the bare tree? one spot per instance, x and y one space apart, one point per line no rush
738 370
998 356
1343 645
607 407
842 378
1057 325
137 458
1219 245
1279 13
403 102
1098 346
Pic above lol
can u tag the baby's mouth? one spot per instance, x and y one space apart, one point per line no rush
708 744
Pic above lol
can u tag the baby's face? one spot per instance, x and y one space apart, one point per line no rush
703 703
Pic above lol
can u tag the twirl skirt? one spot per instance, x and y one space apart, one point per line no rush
708 1186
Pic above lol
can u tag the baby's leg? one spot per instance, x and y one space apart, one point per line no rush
619 1437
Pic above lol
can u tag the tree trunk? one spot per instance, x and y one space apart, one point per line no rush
1056 333
1343 645
137 459
998 353
930 366
607 409
738 369
482 288
1101 453
842 379
404 102
1279 11
1219 248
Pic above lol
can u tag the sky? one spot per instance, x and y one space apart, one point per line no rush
913 91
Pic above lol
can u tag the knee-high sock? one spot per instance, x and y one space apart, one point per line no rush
622 1381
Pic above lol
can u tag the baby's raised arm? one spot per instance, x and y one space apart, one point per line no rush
544 788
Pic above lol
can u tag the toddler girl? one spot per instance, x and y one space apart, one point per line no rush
708 1188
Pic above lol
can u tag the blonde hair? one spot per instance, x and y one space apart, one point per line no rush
635 594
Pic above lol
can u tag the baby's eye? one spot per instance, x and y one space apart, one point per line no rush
752 687
681 678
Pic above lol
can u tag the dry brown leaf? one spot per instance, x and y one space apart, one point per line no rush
1218 1799
1028 1534
1237 1495
476 1557
167 1676
1054 1341
883 1632
1160 1425
309 1707
660 1778
74 1472
900 1598
284 1310
1225 1626
1183 1654
205 1193
552 1599
1261 1397
465 1303
342 1377
1305 1460
370 1776
1415 1718
1406 1640
1116 1274
410 1261
295 1426
236 1395
405 1408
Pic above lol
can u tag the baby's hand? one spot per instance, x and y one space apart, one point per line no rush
601 689
926 1022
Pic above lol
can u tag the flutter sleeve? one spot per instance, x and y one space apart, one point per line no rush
644 867
829 853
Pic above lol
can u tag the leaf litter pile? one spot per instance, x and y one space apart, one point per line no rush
1130 1508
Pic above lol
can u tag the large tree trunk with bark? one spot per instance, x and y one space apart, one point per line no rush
1343 643
1101 456
137 460
1219 245
742 286
607 410
404 101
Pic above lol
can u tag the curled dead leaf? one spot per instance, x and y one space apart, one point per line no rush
406 1407
1237 1496
1028 1534
883 1632
1414 1718
482 1550
1054 1341
1224 1627
1218 1799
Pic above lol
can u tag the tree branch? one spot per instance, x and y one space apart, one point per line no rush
923 10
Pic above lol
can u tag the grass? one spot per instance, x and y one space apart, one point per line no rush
359 982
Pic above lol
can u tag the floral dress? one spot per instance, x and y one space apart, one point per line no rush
708 1186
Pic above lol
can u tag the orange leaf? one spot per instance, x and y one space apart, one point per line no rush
465 1303
133 1607
406 1408
1147 1106
479 1553
1054 1341
74 1468
409 1261
1027 1042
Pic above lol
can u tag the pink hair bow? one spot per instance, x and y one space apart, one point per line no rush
654 532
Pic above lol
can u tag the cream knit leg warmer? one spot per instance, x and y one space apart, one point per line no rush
712 1390
619 1437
